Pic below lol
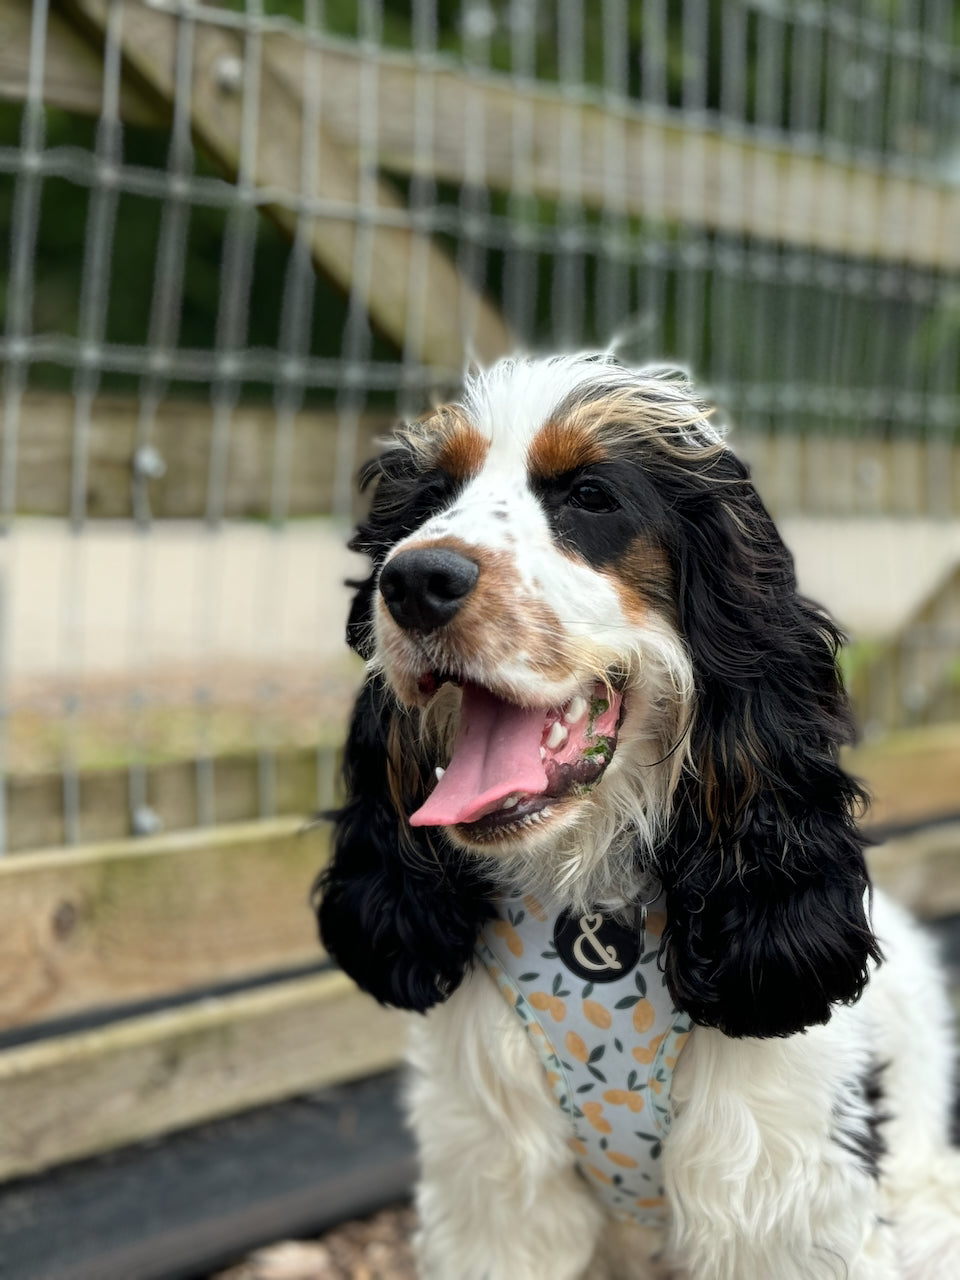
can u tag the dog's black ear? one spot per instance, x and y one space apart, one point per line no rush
399 910
764 871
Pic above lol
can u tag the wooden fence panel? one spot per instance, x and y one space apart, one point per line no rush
77 1095
665 168
102 925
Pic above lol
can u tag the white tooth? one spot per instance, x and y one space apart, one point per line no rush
557 736
543 753
576 710
511 802
439 772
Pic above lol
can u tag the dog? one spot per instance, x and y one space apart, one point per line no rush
596 755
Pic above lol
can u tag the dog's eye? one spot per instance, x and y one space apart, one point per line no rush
590 496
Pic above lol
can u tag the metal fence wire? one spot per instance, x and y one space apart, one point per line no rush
238 238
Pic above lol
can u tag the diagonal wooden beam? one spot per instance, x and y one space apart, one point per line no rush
412 291
72 71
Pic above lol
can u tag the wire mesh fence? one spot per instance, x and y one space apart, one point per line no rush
239 238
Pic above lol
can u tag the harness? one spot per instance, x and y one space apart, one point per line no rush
595 1004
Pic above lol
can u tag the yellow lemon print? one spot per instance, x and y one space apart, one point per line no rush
624 1161
549 1004
593 1113
576 1047
505 930
644 1016
647 1053
624 1098
597 1014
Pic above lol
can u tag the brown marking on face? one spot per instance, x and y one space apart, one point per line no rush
495 623
562 445
631 413
460 449
643 578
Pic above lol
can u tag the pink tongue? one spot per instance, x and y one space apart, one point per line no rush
496 753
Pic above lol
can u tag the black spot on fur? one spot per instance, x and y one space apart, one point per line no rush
859 1119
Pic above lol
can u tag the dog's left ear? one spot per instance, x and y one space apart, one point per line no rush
764 871
397 908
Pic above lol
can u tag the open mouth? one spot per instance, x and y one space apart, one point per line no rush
512 765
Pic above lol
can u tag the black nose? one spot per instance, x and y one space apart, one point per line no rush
424 588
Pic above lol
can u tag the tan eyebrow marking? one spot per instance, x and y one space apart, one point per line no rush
460 448
562 445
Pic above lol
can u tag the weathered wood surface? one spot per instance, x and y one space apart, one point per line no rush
80 1094
915 672
913 776
820 474
102 925
411 289
537 140
815 474
99 926
72 68
182 435
198 1199
921 870
35 818
534 139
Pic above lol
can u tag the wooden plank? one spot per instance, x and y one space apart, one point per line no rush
914 675
35 801
866 482
411 290
821 474
89 1092
912 776
561 147
72 69
100 925
290 1170
921 870
182 435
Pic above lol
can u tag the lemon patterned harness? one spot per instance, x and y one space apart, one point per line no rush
595 1004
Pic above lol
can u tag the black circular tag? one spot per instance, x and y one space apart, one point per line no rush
596 947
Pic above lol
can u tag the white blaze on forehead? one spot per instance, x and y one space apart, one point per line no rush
497 511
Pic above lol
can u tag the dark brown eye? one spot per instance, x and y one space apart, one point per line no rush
590 496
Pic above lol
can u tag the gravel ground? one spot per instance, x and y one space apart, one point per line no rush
376 1248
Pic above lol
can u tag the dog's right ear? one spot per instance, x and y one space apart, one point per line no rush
397 908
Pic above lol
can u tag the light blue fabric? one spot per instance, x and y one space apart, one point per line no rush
608 1047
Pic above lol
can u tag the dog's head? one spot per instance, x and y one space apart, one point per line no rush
588 662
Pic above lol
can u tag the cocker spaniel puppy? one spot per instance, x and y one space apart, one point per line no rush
596 830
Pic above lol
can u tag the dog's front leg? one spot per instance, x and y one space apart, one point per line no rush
499 1198
767 1165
